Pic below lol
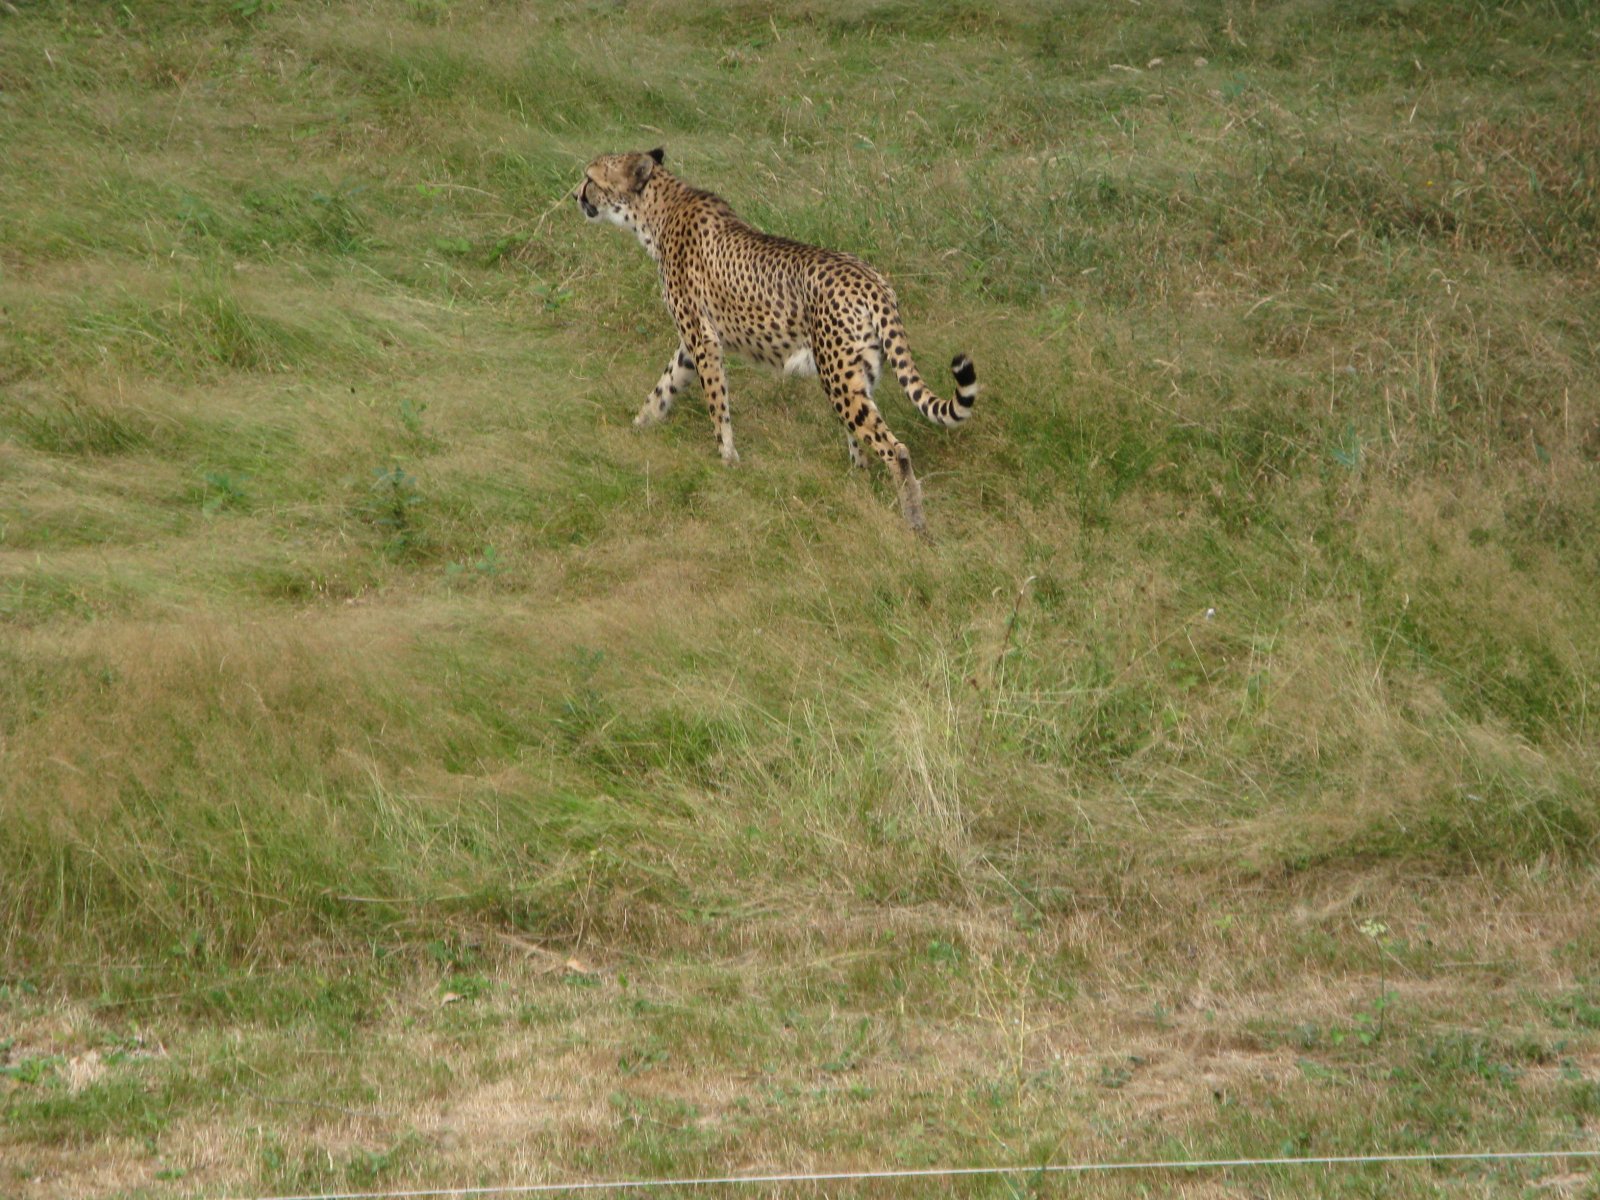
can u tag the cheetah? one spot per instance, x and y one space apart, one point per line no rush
800 309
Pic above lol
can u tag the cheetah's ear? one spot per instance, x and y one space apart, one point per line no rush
639 169
658 154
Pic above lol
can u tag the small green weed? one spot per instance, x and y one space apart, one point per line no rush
486 566
391 505
465 987
223 490
552 296
34 1069
411 413
1578 1009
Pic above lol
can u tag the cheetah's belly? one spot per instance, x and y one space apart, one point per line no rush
801 363
789 354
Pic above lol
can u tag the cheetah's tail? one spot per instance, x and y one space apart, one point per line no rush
940 412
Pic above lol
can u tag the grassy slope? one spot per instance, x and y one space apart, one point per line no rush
361 666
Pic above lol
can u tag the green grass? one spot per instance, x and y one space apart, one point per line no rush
410 776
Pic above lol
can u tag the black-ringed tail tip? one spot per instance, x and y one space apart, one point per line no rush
966 384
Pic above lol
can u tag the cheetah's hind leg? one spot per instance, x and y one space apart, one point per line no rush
848 384
910 492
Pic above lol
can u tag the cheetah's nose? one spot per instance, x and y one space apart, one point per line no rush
589 210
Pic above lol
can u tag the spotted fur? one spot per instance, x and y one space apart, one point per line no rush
800 309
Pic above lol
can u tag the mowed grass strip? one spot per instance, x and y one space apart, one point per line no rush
412 776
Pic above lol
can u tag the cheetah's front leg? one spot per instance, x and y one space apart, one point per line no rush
857 459
680 373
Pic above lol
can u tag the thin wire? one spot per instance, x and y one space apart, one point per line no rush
528 1189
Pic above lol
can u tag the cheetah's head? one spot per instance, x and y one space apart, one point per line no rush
612 184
